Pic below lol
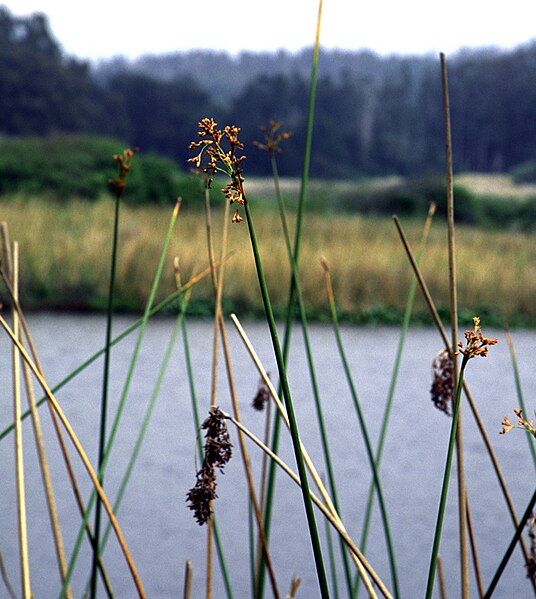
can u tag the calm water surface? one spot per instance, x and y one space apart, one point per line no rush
162 533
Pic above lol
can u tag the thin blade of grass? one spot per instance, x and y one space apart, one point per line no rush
311 100
364 430
126 387
312 370
392 386
104 395
5 578
313 531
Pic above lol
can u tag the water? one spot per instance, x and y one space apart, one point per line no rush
162 533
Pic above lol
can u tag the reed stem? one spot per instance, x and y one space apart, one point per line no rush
104 395
445 484
19 455
313 531
392 386
511 547
482 430
311 100
128 380
364 431
312 370
462 520
188 572
83 456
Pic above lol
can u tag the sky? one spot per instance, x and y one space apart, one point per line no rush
101 29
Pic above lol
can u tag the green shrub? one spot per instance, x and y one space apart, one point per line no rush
524 173
79 166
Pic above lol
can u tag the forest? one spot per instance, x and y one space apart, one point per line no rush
375 115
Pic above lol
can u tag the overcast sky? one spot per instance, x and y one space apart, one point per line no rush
100 29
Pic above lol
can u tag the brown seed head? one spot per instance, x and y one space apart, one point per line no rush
476 343
262 397
124 162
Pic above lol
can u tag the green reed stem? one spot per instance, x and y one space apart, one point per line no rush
104 396
165 303
200 449
511 546
313 531
446 479
270 489
519 392
312 370
391 392
366 437
146 419
126 388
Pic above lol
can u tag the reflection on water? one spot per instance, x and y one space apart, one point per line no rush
160 529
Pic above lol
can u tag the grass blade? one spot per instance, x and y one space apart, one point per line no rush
364 431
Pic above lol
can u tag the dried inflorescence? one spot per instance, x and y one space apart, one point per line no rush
124 162
442 390
522 422
218 451
262 397
273 136
476 343
213 158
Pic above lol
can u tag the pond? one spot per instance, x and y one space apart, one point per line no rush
161 531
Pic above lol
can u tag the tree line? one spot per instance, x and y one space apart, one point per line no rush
374 115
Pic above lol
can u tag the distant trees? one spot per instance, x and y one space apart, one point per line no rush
374 115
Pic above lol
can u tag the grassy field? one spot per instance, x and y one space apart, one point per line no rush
64 258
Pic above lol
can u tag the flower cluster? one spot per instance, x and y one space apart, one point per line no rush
124 162
213 158
476 343
262 397
273 136
522 422
218 451
442 390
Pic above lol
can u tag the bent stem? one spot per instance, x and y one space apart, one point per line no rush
364 430
445 485
308 462
392 385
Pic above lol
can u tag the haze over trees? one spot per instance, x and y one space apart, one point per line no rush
375 115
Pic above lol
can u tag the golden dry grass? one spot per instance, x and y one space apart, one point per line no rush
65 259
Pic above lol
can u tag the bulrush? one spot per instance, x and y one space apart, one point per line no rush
218 451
